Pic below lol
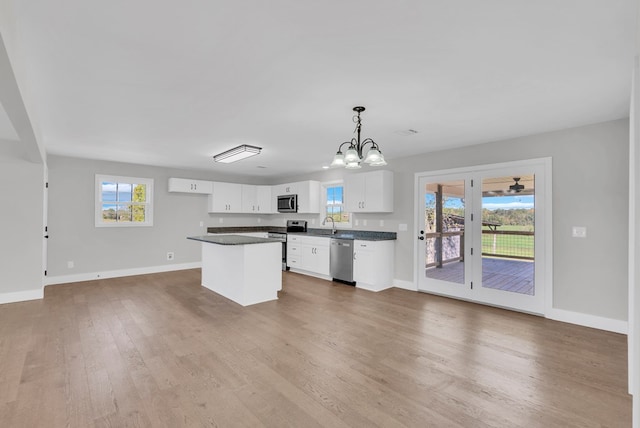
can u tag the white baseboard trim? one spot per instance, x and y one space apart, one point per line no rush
313 274
585 320
405 285
369 287
21 296
90 276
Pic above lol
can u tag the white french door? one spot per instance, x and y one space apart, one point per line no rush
482 234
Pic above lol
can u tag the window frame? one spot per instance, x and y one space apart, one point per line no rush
148 182
323 188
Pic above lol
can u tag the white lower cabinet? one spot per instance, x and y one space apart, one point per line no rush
308 253
373 264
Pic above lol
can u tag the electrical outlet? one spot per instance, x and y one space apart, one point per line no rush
170 255
70 264
579 232
381 223
202 224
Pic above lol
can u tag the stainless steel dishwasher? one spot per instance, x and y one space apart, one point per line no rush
341 255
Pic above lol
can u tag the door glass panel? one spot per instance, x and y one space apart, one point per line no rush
508 229
444 218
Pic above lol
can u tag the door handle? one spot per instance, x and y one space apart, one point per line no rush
421 238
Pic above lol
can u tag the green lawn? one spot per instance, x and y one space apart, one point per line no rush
509 245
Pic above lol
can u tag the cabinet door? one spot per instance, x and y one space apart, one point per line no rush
354 189
285 189
249 198
264 202
226 198
373 264
378 191
364 266
308 196
369 192
321 260
315 255
185 185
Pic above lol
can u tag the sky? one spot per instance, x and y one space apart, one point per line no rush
507 202
490 202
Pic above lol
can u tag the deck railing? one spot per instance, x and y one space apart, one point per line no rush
448 247
444 247
514 244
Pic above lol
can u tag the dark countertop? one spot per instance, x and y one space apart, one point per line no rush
364 235
246 229
232 240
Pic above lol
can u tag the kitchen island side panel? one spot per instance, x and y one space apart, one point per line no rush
246 274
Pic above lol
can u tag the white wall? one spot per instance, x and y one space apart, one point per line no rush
21 228
74 237
590 188
22 169
634 245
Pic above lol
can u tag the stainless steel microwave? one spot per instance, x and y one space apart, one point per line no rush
288 203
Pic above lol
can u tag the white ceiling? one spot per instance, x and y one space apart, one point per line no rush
173 83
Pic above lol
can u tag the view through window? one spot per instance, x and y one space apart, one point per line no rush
334 204
123 201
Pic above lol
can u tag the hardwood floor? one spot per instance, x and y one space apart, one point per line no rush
159 350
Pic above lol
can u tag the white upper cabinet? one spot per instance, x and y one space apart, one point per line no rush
308 197
285 189
186 185
225 198
256 199
369 192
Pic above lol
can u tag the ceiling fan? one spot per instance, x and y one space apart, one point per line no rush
516 187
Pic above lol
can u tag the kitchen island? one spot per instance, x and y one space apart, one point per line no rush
244 269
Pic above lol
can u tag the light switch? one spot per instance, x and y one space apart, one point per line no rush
579 232
402 227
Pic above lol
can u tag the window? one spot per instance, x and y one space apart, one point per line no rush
123 201
334 204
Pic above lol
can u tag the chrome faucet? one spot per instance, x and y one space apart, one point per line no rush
333 224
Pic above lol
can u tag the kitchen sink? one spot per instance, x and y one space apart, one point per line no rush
343 235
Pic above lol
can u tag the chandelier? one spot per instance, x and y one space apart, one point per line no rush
352 158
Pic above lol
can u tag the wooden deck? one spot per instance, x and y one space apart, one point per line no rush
502 274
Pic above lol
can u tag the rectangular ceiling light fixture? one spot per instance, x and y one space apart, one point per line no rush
237 153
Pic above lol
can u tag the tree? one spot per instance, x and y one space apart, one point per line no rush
139 196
